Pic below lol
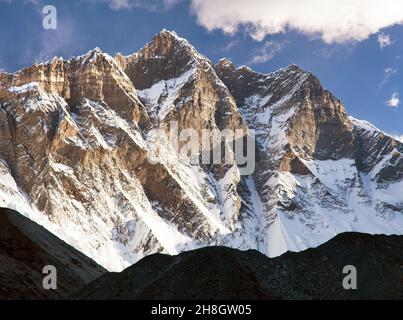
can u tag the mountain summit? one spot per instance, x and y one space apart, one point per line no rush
76 136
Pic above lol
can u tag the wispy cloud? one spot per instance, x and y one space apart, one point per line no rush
65 41
171 3
120 4
384 40
335 50
152 5
394 100
333 21
267 51
230 45
2 69
36 2
387 73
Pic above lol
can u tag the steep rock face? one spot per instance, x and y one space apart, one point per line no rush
39 102
176 83
312 174
86 151
72 125
374 148
179 87
95 76
86 174
318 125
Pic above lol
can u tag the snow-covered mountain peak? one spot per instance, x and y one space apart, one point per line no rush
173 36
225 62
76 136
92 55
166 56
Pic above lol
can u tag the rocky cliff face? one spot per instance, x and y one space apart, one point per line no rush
318 171
77 135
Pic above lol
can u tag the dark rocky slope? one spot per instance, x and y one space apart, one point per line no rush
25 248
224 273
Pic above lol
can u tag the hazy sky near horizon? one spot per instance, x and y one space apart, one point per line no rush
354 47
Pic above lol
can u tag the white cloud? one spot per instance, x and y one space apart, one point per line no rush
394 100
24 1
230 45
120 4
387 73
66 40
170 3
384 40
267 51
335 51
334 21
152 5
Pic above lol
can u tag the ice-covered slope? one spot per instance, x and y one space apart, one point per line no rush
76 136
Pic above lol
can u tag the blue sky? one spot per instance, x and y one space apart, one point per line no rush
348 59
